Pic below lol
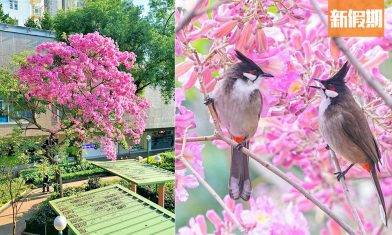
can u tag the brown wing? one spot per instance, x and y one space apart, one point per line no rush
358 131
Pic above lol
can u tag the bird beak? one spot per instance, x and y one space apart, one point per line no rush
317 87
320 87
267 75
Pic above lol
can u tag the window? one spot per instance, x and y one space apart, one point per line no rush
37 11
3 118
14 4
6 119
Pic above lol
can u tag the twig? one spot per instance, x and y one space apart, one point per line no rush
205 184
212 192
298 187
196 11
347 193
373 83
197 139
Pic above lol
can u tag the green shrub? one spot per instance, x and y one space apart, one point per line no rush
71 167
166 160
83 174
32 176
93 183
42 220
169 196
71 172
4 192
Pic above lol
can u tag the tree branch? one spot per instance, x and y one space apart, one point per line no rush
195 12
204 183
297 186
167 22
347 193
139 89
197 139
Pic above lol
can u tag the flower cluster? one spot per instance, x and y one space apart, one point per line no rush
263 217
288 40
192 152
83 81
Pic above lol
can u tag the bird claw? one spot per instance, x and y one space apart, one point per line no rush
239 146
208 100
340 175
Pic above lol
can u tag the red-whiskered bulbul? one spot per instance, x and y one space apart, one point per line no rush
346 130
238 103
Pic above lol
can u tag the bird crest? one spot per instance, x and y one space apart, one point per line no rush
247 61
338 78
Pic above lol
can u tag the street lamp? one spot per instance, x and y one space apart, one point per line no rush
148 138
60 223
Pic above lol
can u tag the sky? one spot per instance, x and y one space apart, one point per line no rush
143 3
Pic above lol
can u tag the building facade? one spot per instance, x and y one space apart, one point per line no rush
158 136
21 10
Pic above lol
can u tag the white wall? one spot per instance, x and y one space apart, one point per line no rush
21 14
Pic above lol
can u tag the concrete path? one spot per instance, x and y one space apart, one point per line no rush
33 198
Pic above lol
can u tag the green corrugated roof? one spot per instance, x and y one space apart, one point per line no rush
113 210
136 172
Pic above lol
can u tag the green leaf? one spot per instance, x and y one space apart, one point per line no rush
202 45
272 9
215 74
191 94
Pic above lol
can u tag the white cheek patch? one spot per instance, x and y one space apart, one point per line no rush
250 76
331 93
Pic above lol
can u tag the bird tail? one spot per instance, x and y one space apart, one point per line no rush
380 195
239 181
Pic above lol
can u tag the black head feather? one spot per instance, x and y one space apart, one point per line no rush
338 78
248 64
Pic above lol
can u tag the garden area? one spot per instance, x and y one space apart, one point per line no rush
44 215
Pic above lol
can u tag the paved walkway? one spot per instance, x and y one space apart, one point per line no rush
33 198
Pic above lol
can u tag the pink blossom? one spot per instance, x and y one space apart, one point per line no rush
83 77
184 119
197 226
294 46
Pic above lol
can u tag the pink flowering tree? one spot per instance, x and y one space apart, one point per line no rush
288 40
87 87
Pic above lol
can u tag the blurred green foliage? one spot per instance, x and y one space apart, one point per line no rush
5 18
32 23
163 160
71 171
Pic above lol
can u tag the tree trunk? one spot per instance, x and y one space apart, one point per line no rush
59 181
13 204
51 144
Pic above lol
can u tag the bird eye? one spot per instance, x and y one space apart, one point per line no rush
331 87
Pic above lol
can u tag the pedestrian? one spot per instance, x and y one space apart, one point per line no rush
45 185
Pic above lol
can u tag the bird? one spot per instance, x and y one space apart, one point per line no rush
238 102
345 129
